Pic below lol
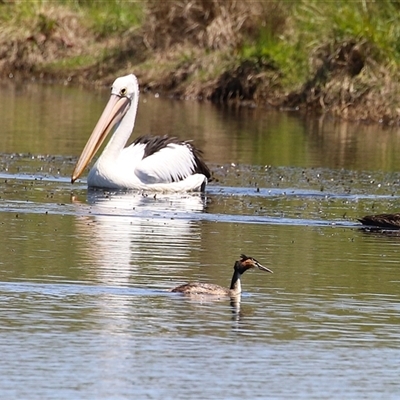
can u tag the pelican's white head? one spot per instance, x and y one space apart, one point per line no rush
126 86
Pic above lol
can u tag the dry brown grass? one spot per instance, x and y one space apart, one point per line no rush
196 43
347 82
54 33
211 24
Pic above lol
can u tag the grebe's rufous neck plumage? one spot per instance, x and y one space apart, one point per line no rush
155 163
241 266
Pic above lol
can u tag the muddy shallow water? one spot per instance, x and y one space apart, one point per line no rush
84 275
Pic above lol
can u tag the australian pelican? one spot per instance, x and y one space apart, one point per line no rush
158 163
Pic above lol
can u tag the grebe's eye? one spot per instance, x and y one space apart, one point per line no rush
122 92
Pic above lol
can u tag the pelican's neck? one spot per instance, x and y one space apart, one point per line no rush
124 130
236 287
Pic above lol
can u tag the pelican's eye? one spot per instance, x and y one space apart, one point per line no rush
122 92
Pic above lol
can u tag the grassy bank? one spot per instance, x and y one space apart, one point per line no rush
335 57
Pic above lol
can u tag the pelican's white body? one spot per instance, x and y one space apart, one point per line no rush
131 171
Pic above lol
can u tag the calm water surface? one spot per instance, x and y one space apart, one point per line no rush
84 276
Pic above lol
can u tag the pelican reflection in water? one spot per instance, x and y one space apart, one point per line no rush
121 231
241 266
157 163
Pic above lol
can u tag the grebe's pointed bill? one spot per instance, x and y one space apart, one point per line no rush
253 263
114 111
261 267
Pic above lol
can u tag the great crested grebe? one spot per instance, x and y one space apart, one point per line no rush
156 163
389 221
241 266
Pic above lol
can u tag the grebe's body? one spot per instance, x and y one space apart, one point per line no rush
241 266
157 163
388 221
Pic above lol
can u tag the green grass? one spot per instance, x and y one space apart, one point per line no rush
105 17
291 61
97 31
313 23
71 63
376 23
110 16
10 12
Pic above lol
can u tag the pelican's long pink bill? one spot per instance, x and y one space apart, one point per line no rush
112 114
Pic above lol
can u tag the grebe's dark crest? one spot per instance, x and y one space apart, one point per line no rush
388 221
241 266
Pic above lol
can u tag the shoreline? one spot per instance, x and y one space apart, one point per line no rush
344 77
